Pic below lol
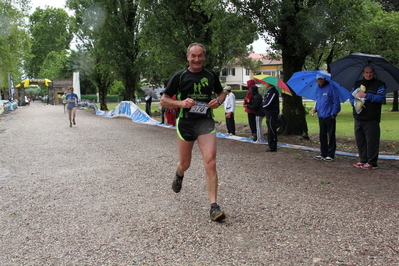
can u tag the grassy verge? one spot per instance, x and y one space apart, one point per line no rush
389 120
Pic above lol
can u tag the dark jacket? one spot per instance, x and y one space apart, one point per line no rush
375 90
271 102
256 103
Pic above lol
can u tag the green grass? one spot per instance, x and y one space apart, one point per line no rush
389 120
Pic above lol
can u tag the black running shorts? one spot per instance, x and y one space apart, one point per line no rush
189 129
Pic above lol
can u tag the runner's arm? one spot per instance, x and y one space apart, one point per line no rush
167 101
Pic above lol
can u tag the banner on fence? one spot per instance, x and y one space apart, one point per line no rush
130 110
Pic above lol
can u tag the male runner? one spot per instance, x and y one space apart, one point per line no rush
194 87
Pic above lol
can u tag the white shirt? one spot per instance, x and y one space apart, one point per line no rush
230 103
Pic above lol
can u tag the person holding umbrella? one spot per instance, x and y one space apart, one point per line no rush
327 107
148 101
271 107
368 95
194 87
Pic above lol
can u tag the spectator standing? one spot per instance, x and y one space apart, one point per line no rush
229 109
327 108
171 114
163 111
148 101
367 97
271 107
250 113
256 106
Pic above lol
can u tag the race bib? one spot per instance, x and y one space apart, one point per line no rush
199 108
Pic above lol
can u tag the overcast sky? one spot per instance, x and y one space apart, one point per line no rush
43 3
259 45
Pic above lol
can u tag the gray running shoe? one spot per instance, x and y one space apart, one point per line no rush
216 214
177 182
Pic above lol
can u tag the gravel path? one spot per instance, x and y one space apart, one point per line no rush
100 193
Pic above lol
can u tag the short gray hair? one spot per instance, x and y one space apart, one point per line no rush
196 44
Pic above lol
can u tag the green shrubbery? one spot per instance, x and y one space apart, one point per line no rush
110 98
240 94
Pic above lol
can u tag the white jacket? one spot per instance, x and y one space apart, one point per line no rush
230 103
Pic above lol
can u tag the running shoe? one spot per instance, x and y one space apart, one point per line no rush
358 165
74 122
177 183
369 166
319 157
328 159
216 214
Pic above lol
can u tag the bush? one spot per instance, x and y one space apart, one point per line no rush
240 94
110 98
92 98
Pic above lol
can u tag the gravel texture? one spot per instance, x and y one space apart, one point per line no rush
99 193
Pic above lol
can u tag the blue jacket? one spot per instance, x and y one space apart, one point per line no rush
327 101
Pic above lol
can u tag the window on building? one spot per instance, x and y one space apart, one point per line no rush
233 71
247 72
224 72
274 73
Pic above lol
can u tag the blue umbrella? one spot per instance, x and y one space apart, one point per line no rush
304 84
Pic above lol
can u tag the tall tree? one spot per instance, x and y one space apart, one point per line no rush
81 61
381 36
14 46
390 5
296 29
56 66
51 32
112 30
170 26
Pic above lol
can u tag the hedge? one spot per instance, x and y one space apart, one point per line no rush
240 94
110 98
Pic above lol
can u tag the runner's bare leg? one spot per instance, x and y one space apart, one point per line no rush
207 145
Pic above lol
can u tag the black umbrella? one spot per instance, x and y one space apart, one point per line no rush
346 71
150 92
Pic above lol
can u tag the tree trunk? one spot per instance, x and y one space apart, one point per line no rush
130 82
293 110
295 116
395 102
129 92
103 98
